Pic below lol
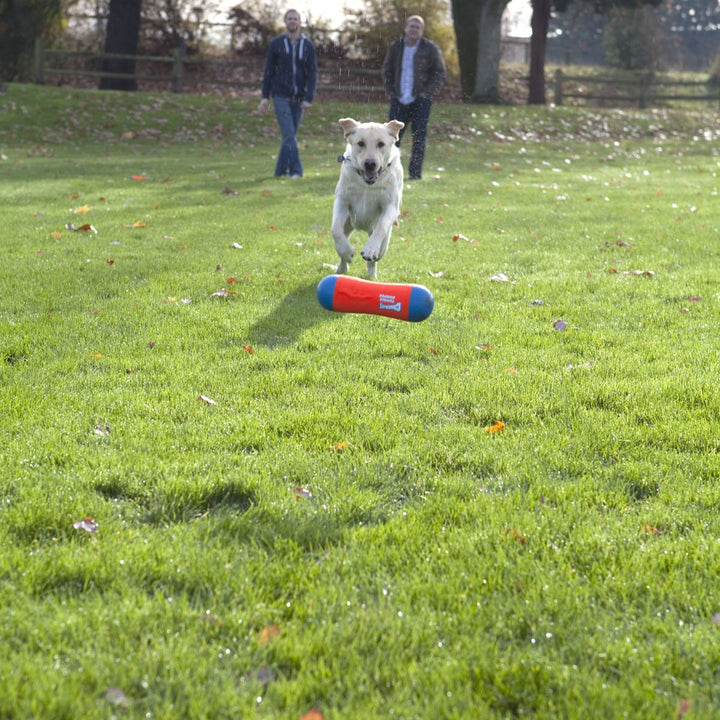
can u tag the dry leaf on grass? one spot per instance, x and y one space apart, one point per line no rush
496 428
87 524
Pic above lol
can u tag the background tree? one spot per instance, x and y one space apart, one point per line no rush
121 36
543 9
370 30
478 26
630 39
21 23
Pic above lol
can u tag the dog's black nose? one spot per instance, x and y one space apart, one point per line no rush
370 165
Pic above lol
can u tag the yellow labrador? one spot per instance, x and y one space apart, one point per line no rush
369 192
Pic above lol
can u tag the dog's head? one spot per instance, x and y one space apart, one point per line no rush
371 146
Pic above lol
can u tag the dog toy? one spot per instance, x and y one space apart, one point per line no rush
403 301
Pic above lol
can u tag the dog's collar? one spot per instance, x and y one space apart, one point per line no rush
343 158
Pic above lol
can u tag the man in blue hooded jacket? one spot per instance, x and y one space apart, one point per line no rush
290 77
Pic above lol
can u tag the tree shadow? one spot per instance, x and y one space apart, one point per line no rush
286 322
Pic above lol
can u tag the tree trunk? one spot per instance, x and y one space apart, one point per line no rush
121 36
538 42
477 26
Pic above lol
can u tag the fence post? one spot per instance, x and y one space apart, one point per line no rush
39 62
179 54
558 87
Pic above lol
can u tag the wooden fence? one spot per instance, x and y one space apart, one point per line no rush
180 71
637 89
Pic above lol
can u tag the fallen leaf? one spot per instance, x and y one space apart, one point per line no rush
206 399
103 430
87 524
651 530
83 228
229 191
342 446
268 633
237 246
116 696
301 492
639 272
486 347
683 708
516 535
231 281
496 428
56 234
499 277
314 714
433 351
82 210
265 675
695 298
248 349
137 177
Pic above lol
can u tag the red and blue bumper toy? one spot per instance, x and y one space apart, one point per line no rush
403 301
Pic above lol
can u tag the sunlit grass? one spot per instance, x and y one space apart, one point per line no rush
338 529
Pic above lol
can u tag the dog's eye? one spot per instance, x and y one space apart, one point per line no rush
381 144
361 143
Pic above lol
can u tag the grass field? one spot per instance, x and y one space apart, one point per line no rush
301 514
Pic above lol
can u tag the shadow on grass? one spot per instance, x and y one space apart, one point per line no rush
286 322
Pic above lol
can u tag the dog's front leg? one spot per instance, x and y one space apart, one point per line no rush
378 241
340 230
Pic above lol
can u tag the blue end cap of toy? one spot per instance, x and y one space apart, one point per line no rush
326 291
420 304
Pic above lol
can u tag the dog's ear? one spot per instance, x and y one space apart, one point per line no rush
394 127
348 125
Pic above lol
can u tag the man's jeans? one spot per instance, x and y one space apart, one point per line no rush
289 115
417 113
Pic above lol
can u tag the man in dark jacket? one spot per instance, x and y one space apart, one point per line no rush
413 72
290 77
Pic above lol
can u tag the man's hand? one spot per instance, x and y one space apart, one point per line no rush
263 106
305 105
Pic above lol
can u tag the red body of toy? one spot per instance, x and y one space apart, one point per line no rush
403 301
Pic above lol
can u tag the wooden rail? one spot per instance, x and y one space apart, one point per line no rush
643 89
49 62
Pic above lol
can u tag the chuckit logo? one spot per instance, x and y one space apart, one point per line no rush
387 302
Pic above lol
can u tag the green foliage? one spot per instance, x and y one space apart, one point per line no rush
339 530
371 30
21 23
630 39
714 74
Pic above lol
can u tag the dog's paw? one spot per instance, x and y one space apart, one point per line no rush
370 253
342 268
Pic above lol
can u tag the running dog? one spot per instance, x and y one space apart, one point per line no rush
369 191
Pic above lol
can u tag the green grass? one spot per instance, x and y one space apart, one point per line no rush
564 568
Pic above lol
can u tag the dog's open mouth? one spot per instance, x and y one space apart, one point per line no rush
370 176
